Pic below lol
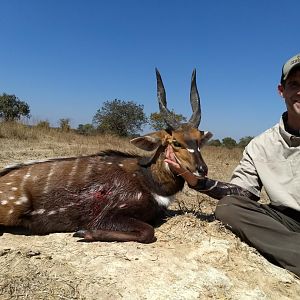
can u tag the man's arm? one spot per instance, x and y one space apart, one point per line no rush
217 189
213 188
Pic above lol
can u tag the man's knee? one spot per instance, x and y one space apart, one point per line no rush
229 209
224 209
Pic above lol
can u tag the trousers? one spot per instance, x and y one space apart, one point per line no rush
274 232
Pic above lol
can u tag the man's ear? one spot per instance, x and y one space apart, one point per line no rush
280 89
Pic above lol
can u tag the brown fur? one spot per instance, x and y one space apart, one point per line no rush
108 196
112 196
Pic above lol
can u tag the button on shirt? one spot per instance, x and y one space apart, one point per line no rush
272 160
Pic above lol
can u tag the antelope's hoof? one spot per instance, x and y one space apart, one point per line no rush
80 233
85 235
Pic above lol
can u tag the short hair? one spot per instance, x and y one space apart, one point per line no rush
292 72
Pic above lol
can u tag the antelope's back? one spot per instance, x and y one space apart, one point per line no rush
39 185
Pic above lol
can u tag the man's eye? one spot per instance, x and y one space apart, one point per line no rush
176 144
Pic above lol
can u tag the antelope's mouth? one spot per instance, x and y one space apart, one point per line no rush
198 173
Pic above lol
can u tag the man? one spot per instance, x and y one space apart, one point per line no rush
271 160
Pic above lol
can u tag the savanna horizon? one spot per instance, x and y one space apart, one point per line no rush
19 143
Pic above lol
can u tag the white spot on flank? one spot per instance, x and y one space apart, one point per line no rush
1 192
133 174
52 212
73 171
109 163
4 202
14 188
11 198
88 172
27 175
191 150
62 209
10 211
122 205
120 165
163 201
8 183
23 199
51 172
139 195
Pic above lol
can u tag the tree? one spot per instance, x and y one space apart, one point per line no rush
12 108
64 124
157 122
216 143
123 118
244 141
85 129
229 142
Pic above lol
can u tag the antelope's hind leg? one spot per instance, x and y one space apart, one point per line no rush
124 230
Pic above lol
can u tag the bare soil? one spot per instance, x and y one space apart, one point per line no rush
194 256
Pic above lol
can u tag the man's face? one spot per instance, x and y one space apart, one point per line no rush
291 93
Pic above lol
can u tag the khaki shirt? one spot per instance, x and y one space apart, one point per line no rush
272 160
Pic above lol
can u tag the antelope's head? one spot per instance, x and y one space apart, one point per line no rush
185 138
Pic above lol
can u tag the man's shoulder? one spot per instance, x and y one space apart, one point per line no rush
265 140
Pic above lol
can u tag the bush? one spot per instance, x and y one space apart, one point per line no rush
43 125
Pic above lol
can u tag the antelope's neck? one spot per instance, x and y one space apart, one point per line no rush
164 181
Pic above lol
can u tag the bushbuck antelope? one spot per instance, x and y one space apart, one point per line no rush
109 196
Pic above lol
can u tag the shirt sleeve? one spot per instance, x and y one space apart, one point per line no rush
245 174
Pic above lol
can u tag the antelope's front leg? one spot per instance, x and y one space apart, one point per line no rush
125 230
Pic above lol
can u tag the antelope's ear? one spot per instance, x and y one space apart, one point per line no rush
148 142
206 136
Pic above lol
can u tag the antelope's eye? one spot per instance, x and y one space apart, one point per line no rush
176 144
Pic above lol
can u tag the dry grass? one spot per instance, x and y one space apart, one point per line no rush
19 142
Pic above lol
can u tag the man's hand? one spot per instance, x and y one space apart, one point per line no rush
171 160
189 177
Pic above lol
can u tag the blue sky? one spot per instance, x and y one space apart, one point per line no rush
66 57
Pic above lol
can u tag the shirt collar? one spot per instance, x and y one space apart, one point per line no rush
291 140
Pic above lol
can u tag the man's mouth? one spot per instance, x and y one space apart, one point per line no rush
297 103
